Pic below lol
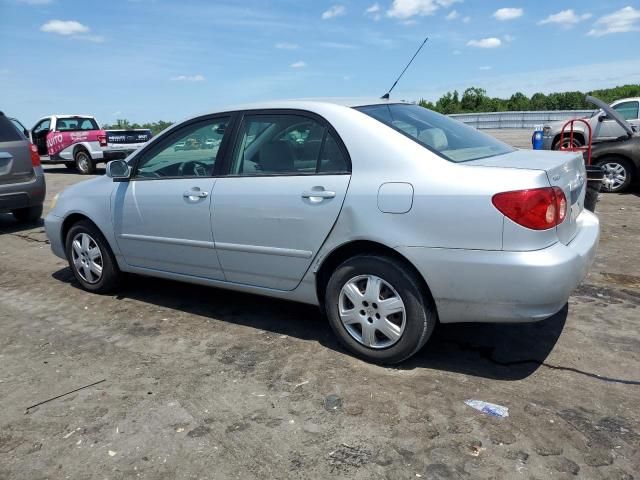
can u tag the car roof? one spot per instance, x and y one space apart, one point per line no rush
630 99
306 103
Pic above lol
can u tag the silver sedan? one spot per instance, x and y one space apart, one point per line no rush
388 216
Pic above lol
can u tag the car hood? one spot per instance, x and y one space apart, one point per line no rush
611 113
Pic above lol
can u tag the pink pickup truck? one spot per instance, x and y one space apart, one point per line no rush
78 142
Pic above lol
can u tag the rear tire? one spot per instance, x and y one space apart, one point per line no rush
91 259
618 174
355 300
84 163
28 215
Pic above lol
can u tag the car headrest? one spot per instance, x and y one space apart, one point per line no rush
435 138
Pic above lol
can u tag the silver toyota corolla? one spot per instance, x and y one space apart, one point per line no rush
387 215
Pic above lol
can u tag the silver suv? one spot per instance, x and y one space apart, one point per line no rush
22 184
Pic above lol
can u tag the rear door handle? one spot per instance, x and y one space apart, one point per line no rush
195 194
319 194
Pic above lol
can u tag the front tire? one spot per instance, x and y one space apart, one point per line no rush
618 174
91 259
84 163
378 310
28 215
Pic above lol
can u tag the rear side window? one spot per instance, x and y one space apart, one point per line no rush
285 144
8 131
76 124
448 138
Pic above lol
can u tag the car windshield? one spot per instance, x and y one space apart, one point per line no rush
448 138
75 124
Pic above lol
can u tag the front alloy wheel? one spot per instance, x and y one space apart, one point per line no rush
617 176
87 258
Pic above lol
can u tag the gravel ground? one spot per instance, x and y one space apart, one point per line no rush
202 383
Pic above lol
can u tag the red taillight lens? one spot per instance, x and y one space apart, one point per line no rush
35 158
102 139
537 209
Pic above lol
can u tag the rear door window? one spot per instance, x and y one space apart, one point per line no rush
286 144
76 124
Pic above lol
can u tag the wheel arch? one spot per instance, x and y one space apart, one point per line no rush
362 247
80 147
71 220
619 156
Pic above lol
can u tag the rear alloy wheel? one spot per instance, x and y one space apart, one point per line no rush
91 259
617 175
378 310
84 162
28 215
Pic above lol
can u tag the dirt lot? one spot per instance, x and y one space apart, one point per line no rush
202 383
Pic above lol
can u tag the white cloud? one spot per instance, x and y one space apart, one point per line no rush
491 42
453 14
626 19
504 14
335 11
508 38
565 18
286 46
404 9
485 68
298 64
466 19
188 78
374 11
64 27
375 8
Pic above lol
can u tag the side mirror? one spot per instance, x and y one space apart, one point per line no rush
118 170
602 117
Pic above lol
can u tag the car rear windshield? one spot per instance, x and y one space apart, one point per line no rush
8 131
448 138
76 124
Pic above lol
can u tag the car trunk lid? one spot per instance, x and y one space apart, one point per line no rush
565 170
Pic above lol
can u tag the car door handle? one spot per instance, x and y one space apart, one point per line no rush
195 193
319 194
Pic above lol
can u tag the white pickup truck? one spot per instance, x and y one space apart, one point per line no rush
78 142
603 128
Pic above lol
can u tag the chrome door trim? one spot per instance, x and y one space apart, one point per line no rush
285 252
171 241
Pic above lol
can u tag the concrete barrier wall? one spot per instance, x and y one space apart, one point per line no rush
527 120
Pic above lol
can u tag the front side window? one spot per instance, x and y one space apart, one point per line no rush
628 110
189 152
44 125
448 138
285 144
76 124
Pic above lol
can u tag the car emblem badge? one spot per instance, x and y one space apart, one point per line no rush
556 178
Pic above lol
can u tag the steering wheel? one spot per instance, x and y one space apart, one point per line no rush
200 169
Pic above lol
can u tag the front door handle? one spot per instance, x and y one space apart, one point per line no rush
318 194
195 194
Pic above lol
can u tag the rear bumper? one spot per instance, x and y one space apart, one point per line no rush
501 286
53 229
23 195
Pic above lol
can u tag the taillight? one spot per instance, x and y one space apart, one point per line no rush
102 139
537 209
35 158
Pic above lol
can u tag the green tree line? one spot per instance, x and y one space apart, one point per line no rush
124 124
475 99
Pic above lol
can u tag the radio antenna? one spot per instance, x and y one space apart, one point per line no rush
386 95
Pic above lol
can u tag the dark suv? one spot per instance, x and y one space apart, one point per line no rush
22 185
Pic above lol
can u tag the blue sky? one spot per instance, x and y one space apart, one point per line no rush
147 60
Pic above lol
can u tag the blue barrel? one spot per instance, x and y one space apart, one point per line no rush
536 140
